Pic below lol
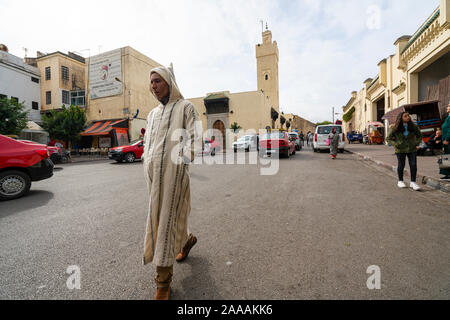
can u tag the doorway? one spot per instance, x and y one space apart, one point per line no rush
380 110
219 125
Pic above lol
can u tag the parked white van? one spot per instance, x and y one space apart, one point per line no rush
321 136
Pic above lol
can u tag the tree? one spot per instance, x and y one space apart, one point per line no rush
13 115
235 127
323 123
349 115
65 125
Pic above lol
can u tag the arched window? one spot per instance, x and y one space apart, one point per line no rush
267 77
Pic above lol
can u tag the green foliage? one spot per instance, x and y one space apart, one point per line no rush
65 125
323 123
348 116
13 115
235 127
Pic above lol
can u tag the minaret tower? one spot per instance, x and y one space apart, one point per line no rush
267 65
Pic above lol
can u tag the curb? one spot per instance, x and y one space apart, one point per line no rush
429 181
86 160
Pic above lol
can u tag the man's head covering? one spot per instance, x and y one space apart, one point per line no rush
168 75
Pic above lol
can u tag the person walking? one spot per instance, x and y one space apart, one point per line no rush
302 138
166 168
406 137
446 142
334 143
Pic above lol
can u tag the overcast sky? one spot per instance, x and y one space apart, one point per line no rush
327 47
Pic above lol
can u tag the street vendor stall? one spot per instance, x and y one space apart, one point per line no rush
375 132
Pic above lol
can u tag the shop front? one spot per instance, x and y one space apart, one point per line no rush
105 134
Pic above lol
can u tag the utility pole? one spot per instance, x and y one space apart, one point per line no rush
334 114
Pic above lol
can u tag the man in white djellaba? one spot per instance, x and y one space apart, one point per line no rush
172 137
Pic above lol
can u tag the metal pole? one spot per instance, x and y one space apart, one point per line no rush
333 115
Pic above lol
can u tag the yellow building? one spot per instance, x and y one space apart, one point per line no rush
298 123
118 99
62 79
418 71
253 110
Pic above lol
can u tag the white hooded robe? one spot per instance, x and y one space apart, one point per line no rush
167 180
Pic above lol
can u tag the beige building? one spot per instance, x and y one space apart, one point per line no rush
220 110
119 98
418 71
119 90
253 110
299 124
63 79
267 58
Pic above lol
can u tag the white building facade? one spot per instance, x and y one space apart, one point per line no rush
21 81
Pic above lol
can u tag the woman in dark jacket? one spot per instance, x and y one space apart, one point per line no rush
446 142
406 137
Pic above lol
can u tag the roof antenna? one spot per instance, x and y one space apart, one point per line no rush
267 27
262 25
26 51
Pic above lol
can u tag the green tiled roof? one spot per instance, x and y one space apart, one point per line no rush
424 27
216 96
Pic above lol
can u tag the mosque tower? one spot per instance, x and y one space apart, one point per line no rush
267 58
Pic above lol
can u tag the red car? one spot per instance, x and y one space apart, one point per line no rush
55 152
127 153
21 163
276 143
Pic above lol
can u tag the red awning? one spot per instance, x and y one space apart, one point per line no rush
103 128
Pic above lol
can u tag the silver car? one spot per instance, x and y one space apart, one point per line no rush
321 136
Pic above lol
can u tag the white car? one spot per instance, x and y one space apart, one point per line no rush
246 143
321 136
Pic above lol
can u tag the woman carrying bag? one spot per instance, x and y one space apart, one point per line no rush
446 143
333 142
406 137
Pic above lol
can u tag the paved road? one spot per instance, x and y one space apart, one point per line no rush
309 232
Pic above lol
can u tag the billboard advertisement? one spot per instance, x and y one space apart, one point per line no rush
103 71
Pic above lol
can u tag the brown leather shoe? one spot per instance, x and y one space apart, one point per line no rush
187 248
162 293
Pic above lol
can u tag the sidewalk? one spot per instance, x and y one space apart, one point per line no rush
78 159
428 169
